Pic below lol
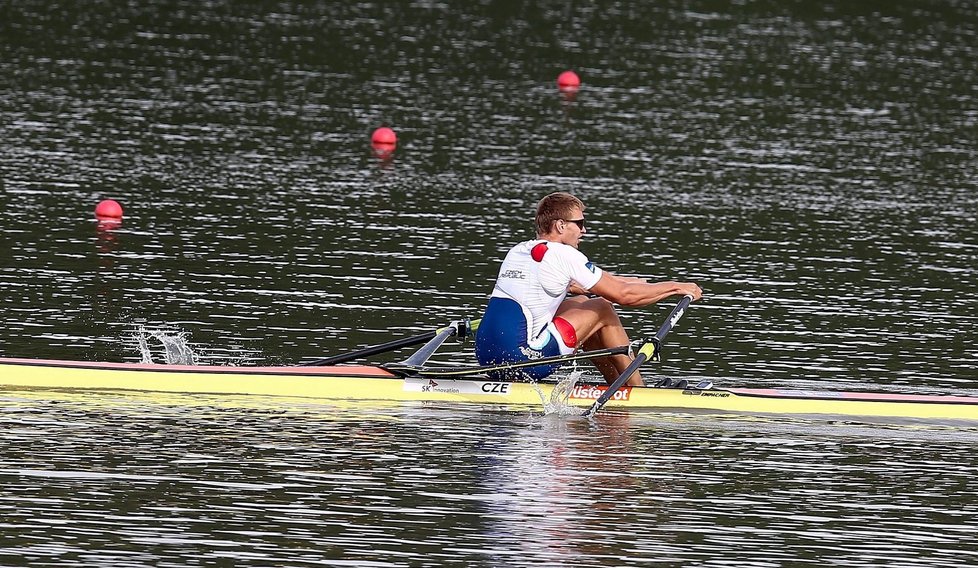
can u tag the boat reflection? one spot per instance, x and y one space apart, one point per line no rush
574 480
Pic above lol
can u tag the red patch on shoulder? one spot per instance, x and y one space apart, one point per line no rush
537 252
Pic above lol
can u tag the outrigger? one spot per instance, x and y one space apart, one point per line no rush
414 379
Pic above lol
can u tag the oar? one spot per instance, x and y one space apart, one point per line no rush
420 371
421 356
650 350
460 328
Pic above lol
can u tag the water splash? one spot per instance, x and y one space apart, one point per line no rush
176 348
558 404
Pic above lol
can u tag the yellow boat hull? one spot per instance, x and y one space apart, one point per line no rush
374 383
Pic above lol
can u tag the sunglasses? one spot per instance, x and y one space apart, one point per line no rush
578 222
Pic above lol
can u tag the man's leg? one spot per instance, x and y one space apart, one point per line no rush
597 325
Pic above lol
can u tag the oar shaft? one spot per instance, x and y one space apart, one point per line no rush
471 326
650 350
368 351
674 317
421 356
466 371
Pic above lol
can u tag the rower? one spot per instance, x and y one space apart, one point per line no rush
529 315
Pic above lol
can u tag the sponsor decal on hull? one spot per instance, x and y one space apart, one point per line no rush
592 392
456 387
714 394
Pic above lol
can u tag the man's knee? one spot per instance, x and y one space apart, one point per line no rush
605 309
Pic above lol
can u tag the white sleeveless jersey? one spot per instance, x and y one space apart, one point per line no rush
535 274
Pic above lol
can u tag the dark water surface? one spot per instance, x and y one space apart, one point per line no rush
130 482
811 165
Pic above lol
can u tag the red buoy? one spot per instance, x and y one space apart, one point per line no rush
108 209
383 135
568 80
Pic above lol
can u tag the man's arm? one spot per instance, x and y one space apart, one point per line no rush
630 291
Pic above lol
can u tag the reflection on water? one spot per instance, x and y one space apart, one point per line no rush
137 481
810 165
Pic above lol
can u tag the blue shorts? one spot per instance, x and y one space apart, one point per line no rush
501 338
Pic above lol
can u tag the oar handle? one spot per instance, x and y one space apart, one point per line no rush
650 350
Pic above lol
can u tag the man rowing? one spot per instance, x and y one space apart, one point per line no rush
529 315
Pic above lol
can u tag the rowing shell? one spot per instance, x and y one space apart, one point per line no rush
375 383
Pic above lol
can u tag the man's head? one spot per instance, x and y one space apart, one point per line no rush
560 216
